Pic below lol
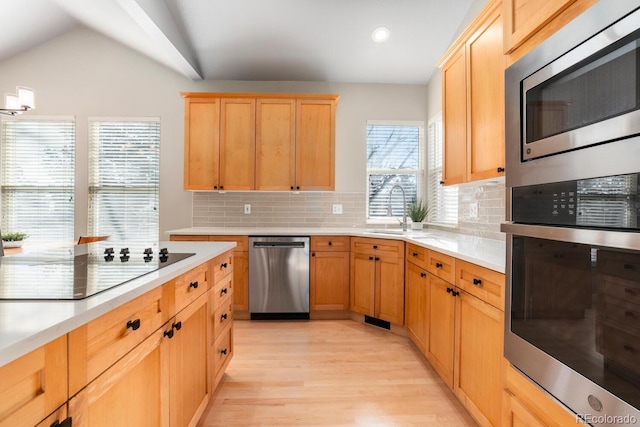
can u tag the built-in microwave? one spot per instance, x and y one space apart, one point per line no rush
572 137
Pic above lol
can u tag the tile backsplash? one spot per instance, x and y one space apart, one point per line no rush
314 209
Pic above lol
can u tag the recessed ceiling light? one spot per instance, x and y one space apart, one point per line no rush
380 34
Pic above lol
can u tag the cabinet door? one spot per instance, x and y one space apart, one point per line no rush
454 115
241 281
34 385
441 333
329 281
389 292
486 64
275 144
237 144
201 144
188 350
416 305
362 283
315 144
515 414
478 358
133 392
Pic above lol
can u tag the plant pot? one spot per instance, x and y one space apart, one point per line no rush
12 244
416 226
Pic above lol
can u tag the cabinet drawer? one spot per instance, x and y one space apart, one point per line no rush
222 266
33 386
190 286
619 288
97 345
330 243
221 290
367 245
623 312
624 265
417 255
222 317
622 347
441 265
222 350
488 285
241 241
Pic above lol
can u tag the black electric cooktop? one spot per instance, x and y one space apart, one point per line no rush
80 271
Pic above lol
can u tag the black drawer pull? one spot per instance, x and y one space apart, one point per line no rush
423 274
133 324
223 317
375 246
223 265
370 258
377 259
177 326
455 293
628 267
477 282
628 348
330 243
629 291
313 254
438 265
194 285
449 290
292 187
629 313
441 182
223 291
223 351
415 254
169 333
500 170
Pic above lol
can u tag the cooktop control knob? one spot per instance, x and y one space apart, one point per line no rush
148 255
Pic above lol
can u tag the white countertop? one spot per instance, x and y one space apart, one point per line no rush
487 253
26 325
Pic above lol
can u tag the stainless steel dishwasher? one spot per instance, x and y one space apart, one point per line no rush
279 277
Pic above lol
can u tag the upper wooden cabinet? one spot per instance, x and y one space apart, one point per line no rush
473 101
529 22
249 141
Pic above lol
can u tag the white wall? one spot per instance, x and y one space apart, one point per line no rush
84 74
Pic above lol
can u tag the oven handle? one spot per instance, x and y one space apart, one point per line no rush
608 238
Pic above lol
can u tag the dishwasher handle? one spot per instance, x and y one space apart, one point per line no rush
266 245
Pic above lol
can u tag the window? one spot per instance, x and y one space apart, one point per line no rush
393 157
38 173
124 183
443 201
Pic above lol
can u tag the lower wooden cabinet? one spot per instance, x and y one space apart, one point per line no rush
416 304
441 308
34 386
515 414
329 274
134 391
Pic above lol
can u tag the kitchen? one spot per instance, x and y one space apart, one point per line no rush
83 57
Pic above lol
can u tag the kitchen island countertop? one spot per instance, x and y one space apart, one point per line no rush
488 253
28 324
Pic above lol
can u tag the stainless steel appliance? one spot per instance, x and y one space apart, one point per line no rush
80 271
572 320
279 277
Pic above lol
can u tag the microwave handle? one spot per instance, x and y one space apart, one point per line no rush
608 238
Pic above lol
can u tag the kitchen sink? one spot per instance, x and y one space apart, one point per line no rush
385 231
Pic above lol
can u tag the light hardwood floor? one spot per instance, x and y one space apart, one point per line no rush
329 373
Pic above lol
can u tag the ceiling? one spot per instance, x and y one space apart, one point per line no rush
278 40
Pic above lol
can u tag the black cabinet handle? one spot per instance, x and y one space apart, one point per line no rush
500 170
441 182
370 258
223 317
629 291
169 333
177 326
375 246
221 187
223 351
377 259
223 265
449 290
415 254
438 265
477 282
215 187
628 348
423 274
133 324
455 293
313 254
330 243
223 291
628 267
292 187
194 285
629 313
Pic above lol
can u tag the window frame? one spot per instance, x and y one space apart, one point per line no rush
419 173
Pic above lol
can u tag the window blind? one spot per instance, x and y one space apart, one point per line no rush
38 177
393 157
124 180
443 201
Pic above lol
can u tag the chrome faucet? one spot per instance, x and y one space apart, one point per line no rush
404 206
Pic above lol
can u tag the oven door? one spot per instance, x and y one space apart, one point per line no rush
573 317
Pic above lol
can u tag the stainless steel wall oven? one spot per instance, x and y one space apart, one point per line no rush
573 222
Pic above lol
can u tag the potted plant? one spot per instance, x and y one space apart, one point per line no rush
418 211
13 240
